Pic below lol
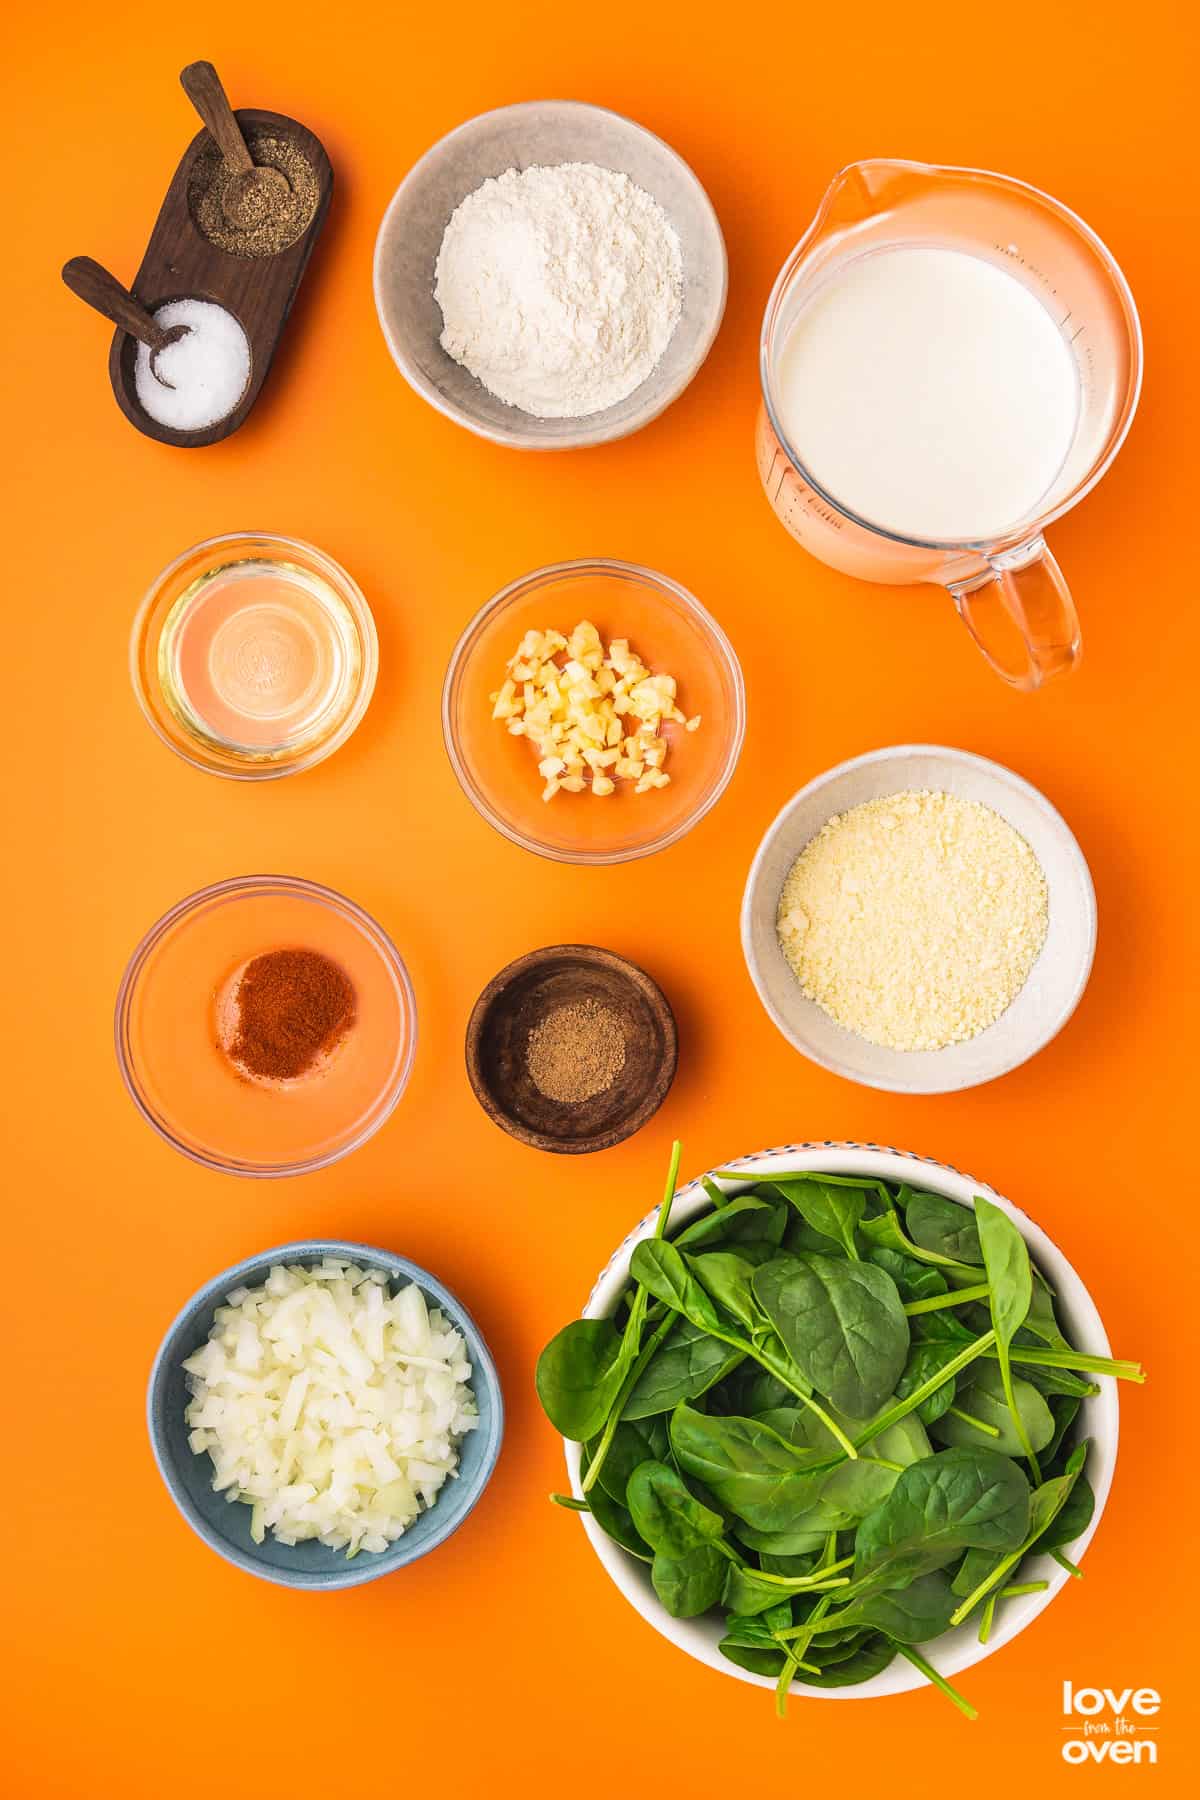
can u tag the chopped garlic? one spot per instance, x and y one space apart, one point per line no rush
593 716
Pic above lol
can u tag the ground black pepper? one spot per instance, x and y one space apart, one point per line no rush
280 226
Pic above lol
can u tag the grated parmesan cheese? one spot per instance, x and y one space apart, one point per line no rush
915 919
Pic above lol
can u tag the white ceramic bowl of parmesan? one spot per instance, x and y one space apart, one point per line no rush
1054 984
541 133
1099 1415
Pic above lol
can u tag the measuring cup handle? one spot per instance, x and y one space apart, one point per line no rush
1022 616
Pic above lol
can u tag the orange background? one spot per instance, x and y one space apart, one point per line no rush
138 1664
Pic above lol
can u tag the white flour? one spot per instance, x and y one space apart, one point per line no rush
559 287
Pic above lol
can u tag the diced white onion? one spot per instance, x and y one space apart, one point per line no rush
330 1406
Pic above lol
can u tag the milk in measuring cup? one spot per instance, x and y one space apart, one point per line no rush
929 392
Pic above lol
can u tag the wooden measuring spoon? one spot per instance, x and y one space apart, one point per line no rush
102 291
254 192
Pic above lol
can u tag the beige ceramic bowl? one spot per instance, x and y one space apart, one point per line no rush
1056 981
518 137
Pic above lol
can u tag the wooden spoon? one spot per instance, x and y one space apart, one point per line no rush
98 289
254 192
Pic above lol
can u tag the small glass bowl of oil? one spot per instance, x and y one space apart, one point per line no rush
254 656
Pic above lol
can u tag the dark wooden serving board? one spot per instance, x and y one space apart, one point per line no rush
181 264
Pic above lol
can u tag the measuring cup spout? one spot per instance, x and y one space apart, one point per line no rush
860 191
1021 615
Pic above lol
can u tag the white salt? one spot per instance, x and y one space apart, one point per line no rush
207 368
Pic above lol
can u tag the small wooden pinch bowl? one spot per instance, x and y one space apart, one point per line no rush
524 994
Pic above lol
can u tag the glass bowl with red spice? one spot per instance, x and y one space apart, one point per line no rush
266 1026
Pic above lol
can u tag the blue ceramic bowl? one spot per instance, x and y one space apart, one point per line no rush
225 1525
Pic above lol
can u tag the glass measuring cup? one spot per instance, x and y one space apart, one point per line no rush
1008 590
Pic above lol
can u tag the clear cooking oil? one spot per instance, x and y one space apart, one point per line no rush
260 659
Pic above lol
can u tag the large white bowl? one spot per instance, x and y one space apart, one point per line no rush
1098 1416
1056 981
546 132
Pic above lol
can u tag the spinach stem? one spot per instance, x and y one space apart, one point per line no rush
794 1652
664 1211
958 1297
970 1419
637 1314
939 1681
717 1195
985 1623
799 1582
1076 1359
835 1431
570 1502
1064 1562
1010 1400
910 1403
1023 1587
614 1417
988 1583
819 1412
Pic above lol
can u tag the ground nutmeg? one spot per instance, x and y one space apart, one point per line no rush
292 1006
576 1052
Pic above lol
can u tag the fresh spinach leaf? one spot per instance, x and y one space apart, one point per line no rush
579 1375
748 1391
842 1323
924 1361
1018 1414
1071 1521
910 1615
800 1238
831 1209
1010 1278
690 1584
746 1219
886 1233
746 1594
954 1500
856 1488
914 1280
943 1226
1045 1504
631 1444
781 1543
666 1514
1052 1381
1040 1321
689 1363
749 1468
1065 1408
614 1518
726 1276
870 1658
664 1273
759 1661
617 1521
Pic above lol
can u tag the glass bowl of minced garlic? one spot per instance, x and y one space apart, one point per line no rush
594 711
919 919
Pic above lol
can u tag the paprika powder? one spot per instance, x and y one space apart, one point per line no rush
292 1007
